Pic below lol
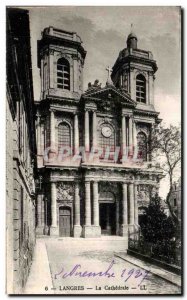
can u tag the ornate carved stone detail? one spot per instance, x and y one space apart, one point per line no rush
61 118
144 193
111 174
109 190
65 191
64 203
141 207
144 128
51 51
107 104
75 56
95 86
106 120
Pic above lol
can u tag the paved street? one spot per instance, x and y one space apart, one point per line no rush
88 266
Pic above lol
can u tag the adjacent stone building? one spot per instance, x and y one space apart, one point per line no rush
20 152
94 159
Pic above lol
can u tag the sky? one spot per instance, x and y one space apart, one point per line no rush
104 31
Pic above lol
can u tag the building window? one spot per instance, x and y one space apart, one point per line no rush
140 88
64 136
63 74
175 202
107 141
142 146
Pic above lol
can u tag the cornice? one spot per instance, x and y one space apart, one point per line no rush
98 92
146 112
133 58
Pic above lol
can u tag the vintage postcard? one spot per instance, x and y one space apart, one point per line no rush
93 151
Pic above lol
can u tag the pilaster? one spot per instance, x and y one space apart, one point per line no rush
76 133
77 229
53 229
86 131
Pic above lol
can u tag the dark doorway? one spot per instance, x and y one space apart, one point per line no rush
64 221
107 215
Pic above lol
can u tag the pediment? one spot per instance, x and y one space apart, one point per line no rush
109 94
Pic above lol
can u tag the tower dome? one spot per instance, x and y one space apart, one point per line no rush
132 40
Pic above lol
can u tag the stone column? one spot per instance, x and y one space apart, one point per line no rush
42 77
86 132
135 140
77 228
43 211
130 135
51 68
41 138
52 135
136 226
95 204
96 229
132 84
76 133
147 89
131 207
94 130
135 205
117 218
152 89
125 214
124 226
87 204
87 229
52 127
54 228
42 74
75 75
149 143
124 135
38 135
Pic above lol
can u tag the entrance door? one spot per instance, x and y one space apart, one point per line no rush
107 218
64 221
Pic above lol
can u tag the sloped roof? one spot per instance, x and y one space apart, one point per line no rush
98 93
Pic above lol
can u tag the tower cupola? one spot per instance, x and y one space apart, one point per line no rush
132 40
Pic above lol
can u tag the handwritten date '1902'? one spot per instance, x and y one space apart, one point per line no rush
126 274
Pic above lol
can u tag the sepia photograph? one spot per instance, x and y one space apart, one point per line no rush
93 150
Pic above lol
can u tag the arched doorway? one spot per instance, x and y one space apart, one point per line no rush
64 221
107 213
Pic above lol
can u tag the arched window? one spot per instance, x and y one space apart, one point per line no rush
63 74
142 146
107 140
140 88
64 136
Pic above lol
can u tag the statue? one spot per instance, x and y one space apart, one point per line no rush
94 86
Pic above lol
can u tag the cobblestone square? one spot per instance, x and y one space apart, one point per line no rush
92 255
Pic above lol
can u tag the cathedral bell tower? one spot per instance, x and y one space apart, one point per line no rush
134 71
61 60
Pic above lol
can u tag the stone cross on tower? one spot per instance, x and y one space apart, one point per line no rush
109 81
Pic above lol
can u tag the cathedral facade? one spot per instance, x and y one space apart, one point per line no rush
95 168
